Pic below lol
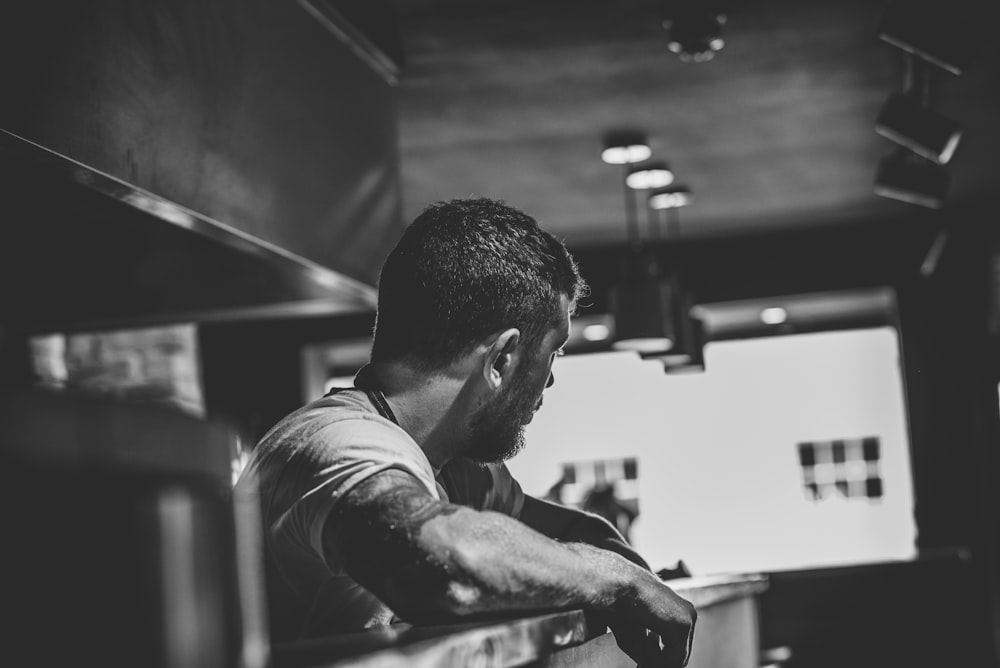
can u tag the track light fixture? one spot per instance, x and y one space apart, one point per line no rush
944 32
927 32
924 131
908 177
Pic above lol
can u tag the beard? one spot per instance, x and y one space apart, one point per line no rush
496 430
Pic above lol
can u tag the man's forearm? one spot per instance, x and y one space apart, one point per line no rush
573 525
495 563
499 564
426 558
432 561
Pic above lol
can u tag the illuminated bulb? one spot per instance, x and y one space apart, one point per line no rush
625 147
774 315
626 155
647 346
653 175
597 332
670 198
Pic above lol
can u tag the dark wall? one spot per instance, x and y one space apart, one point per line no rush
913 614
249 112
875 253
951 381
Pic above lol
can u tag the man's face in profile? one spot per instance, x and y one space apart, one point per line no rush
497 427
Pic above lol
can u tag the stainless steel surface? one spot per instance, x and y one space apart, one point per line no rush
85 249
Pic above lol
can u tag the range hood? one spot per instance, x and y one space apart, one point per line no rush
83 250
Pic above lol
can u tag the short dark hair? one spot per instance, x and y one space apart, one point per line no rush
464 269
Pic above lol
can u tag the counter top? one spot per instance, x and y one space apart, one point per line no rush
706 590
510 641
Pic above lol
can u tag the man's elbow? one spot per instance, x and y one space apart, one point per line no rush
448 599
439 589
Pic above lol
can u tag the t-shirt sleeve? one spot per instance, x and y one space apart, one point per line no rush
338 457
482 486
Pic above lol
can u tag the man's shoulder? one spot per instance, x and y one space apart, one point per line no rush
346 415
342 401
347 404
332 438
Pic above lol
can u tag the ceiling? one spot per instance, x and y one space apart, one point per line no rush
511 98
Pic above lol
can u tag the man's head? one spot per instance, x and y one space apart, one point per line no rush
496 427
477 275
465 269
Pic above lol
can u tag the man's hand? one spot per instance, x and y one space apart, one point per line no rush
671 631
643 646
668 646
648 647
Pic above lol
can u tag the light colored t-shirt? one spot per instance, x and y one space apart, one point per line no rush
303 467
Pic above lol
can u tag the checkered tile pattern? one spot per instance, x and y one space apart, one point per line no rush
581 477
844 468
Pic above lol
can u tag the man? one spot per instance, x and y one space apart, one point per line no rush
391 500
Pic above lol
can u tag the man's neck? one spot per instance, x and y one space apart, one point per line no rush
427 406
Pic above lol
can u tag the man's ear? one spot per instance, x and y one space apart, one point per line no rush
500 356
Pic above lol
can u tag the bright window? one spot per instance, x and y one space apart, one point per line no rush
722 483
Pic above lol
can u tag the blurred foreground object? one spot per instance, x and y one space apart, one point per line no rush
125 544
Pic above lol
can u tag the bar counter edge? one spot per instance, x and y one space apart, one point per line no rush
726 605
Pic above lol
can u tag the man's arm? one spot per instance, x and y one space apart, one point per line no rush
571 525
431 560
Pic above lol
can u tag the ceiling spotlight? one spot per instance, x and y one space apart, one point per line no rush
670 197
944 32
924 131
695 35
624 147
907 177
654 174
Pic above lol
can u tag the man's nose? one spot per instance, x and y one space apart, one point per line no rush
552 380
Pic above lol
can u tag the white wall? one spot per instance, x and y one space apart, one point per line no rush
720 485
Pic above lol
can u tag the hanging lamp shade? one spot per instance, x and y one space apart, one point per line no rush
625 147
654 174
642 302
688 352
670 197
653 315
